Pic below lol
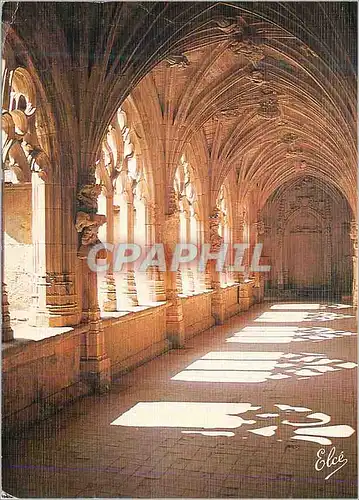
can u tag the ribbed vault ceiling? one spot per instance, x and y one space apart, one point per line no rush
272 120
278 106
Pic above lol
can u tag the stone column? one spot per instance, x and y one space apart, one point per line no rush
258 288
174 313
110 302
354 238
94 363
8 135
155 277
280 263
7 331
55 301
218 301
204 281
128 292
191 238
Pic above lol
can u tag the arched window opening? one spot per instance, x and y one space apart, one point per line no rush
225 232
26 170
127 204
189 280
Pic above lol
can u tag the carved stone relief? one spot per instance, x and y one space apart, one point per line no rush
177 60
268 104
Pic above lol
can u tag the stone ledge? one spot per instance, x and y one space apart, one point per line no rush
116 317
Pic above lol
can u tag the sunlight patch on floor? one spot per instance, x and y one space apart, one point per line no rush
296 306
214 419
186 414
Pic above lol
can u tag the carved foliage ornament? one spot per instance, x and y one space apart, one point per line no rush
88 221
256 76
87 197
260 227
230 25
253 52
244 39
177 60
268 105
215 239
88 225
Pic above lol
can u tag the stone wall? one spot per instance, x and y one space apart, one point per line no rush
197 314
39 378
135 338
232 301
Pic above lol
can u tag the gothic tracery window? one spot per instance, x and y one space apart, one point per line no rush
126 199
26 167
225 232
189 279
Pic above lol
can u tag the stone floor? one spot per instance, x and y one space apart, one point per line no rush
168 449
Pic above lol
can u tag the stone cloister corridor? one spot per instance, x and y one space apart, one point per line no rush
179 249
300 384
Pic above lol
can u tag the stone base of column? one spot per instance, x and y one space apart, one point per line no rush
258 290
245 296
96 373
355 297
129 291
202 282
156 284
218 307
110 301
190 277
7 331
95 365
54 303
175 324
179 285
54 317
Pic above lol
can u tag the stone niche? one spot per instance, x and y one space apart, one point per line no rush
18 251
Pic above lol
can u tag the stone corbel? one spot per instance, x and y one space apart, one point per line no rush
88 225
215 239
87 198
